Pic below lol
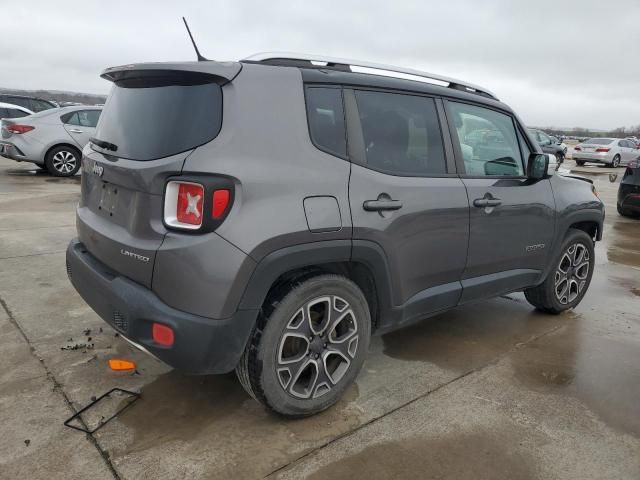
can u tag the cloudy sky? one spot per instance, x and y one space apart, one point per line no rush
557 63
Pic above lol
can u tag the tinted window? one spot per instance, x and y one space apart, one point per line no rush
488 141
4 113
88 118
39 105
15 113
70 118
401 133
326 120
155 122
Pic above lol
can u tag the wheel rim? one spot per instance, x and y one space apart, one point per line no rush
616 161
317 347
64 162
572 273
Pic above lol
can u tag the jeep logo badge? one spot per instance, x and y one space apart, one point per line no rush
97 169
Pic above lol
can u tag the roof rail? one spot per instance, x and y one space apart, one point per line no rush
303 59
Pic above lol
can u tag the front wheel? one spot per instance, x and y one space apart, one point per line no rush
580 163
63 161
307 351
567 283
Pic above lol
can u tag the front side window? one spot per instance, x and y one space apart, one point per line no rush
401 133
326 120
488 141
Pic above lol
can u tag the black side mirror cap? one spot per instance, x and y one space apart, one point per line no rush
537 166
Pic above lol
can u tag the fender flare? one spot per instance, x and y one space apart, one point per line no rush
287 259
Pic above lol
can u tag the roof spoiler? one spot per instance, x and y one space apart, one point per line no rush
171 73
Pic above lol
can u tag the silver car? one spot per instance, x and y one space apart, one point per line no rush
52 139
611 151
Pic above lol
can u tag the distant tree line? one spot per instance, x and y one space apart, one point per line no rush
76 97
620 132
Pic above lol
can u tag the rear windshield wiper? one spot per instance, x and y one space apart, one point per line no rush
102 144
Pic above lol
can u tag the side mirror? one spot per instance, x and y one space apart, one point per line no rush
537 166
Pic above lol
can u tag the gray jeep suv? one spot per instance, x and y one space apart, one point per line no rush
268 216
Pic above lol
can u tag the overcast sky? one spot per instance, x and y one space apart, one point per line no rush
557 63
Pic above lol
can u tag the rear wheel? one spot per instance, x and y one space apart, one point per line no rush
567 283
304 355
63 161
580 163
616 161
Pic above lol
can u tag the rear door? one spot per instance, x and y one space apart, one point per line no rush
141 140
511 218
81 125
406 197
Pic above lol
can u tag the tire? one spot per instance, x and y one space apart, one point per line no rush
549 298
580 163
615 163
296 377
63 161
620 210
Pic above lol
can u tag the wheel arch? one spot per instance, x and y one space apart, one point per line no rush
362 262
62 144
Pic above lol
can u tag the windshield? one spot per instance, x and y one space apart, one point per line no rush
156 122
598 141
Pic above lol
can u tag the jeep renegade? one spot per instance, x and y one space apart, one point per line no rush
268 216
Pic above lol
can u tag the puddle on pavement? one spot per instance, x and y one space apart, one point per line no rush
459 457
469 337
623 242
215 412
602 371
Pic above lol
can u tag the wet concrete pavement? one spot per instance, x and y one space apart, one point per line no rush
490 390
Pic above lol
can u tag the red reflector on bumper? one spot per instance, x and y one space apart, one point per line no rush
162 335
220 203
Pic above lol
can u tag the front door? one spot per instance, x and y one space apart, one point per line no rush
406 197
511 217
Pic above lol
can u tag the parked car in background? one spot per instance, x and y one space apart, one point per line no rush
31 103
9 110
629 190
559 141
549 144
52 139
610 151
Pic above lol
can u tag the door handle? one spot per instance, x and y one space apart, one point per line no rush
381 205
487 202
75 130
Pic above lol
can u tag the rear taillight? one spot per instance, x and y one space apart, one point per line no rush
183 205
578 149
198 203
18 129
220 203
602 150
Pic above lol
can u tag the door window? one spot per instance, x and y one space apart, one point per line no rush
488 141
401 134
89 118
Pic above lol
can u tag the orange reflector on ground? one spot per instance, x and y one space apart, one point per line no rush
118 364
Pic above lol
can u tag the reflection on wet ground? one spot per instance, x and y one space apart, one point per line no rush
623 243
470 336
603 371
461 457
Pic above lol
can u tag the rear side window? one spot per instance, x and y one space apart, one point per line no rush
159 121
401 133
326 120
15 113
39 105
4 113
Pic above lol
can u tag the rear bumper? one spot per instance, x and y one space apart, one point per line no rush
593 157
202 345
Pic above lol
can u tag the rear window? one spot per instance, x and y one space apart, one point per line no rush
326 120
156 122
598 141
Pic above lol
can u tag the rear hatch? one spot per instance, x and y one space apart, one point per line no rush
155 116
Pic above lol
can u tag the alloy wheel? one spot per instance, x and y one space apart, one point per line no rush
572 273
317 347
64 162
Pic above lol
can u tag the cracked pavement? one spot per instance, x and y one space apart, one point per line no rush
490 390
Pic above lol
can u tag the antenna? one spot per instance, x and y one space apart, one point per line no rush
200 57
